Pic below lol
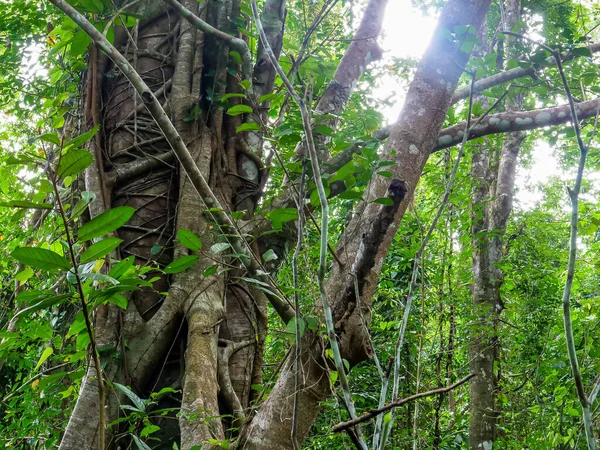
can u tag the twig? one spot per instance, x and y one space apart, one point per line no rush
387 426
338 361
376 412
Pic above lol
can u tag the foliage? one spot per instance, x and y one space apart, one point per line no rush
44 342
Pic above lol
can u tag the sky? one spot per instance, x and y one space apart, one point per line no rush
406 33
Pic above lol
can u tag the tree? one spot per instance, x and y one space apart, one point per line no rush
186 139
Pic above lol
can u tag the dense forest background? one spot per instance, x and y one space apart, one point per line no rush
174 275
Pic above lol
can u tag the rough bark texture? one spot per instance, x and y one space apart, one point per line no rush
492 199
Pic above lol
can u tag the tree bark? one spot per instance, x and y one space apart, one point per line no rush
492 199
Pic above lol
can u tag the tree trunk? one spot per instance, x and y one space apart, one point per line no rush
492 199
219 319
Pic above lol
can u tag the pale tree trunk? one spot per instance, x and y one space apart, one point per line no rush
492 199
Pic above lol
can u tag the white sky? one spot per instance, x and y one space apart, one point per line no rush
406 34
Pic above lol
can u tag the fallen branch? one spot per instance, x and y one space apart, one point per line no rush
375 412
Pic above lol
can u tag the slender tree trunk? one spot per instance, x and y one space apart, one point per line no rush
492 200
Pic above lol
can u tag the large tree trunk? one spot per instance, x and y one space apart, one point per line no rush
492 199
219 320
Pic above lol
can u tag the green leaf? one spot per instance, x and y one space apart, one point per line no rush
40 258
76 142
291 326
26 204
239 109
48 351
282 215
266 98
24 275
118 300
138 402
155 249
43 303
324 130
384 201
100 249
385 173
248 126
180 264
219 247
236 56
105 223
233 95
189 240
269 255
50 137
86 199
351 195
148 430
210 271
122 267
582 51
74 162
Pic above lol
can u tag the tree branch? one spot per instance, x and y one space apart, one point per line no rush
512 74
350 423
518 121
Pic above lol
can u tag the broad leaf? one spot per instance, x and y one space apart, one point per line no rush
48 351
239 109
100 249
138 402
74 162
282 215
26 204
180 264
43 303
248 126
40 258
189 240
106 222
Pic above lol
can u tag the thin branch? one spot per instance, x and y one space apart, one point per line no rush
387 426
52 176
574 194
339 364
376 412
